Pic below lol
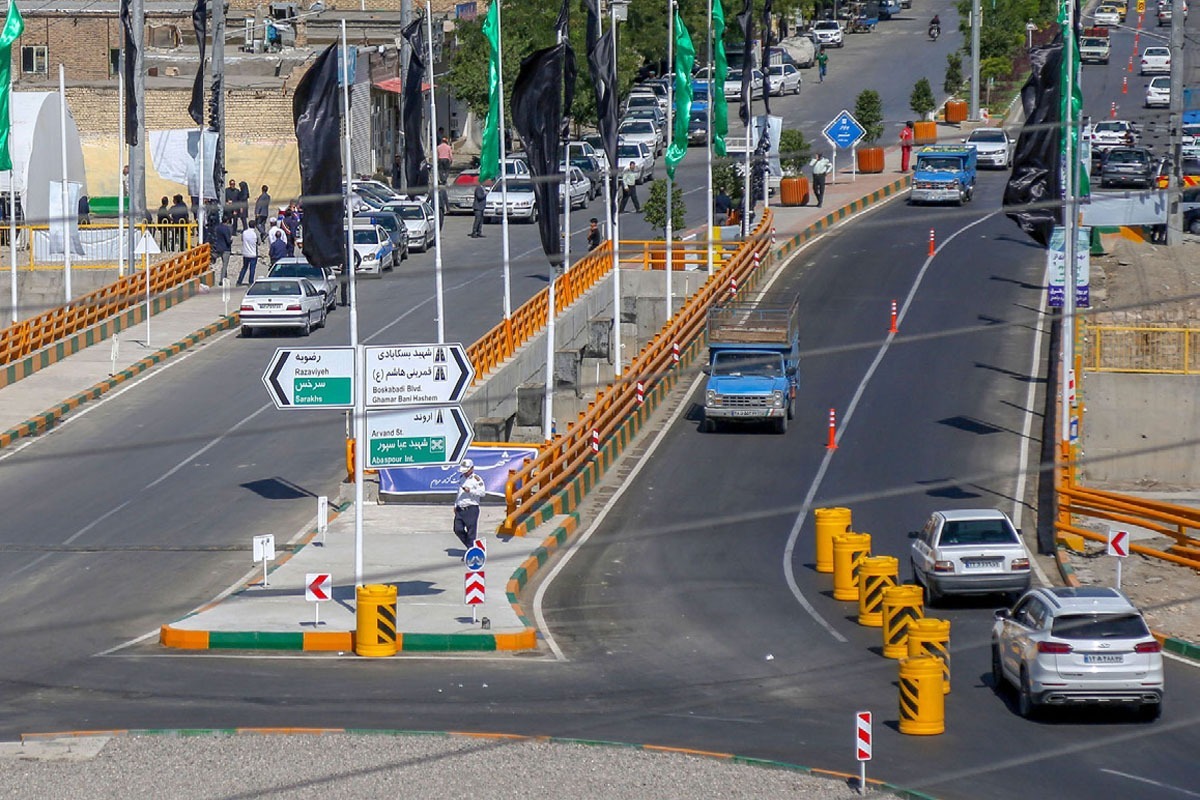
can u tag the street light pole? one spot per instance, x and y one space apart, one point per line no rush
976 20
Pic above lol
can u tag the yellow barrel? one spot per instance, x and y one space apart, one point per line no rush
849 550
828 522
922 701
930 636
874 575
901 605
375 629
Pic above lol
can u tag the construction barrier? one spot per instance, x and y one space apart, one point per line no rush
828 522
922 700
31 335
375 621
535 486
901 605
849 551
100 244
875 574
1142 349
931 637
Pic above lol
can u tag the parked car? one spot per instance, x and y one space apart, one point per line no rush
969 552
417 216
1108 16
828 33
993 147
521 204
1158 92
698 124
593 169
376 190
390 221
640 155
700 81
373 249
460 193
581 188
783 79
1156 60
643 131
1077 645
1127 166
282 303
733 84
643 100
322 278
652 115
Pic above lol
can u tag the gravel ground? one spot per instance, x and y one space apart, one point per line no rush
335 765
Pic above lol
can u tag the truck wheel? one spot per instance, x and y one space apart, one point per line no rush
791 409
708 425
781 425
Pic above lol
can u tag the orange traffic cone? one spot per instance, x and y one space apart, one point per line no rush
1124 85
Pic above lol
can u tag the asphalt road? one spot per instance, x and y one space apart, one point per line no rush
677 616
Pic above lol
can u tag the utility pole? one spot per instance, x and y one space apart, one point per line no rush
218 98
976 24
137 152
1175 129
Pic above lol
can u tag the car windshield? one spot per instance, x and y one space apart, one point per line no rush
297 271
519 186
409 212
637 127
986 136
628 151
1088 41
733 76
747 364
643 100
937 164
826 25
1125 157
977 531
777 70
1109 127
698 117
274 289
1099 626
366 236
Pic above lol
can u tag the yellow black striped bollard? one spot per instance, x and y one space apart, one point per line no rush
901 605
828 522
874 575
375 621
922 702
849 550
931 637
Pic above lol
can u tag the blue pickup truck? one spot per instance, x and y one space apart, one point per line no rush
754 352
944 173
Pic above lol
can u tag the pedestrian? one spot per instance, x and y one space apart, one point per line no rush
721 206
445 156
262 210
822 65
222 246
593 238
84 210
162 218
231 205
821 167
179 222
244 203
466 504
289 227
277 249
478 204
249 254
906 145
629 180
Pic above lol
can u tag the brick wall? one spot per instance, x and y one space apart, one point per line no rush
81 43
250 114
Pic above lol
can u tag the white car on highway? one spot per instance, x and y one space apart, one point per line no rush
282 303
322 278
993 147
581 188
1107 16
521 203
1158 92
783 79
828 33
417 216
641 156
969 552
640 130
1156 60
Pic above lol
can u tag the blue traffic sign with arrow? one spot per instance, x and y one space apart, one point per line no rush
844 131
475 558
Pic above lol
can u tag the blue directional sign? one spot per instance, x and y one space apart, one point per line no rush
475 558
844 131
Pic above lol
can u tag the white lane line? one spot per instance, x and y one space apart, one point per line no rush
789 550
1151 782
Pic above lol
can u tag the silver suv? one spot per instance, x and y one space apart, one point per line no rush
1085 645
970 552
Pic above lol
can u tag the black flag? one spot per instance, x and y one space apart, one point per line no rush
131 49
200 25
604 80
414 110
766 55
315 110
1034 190
536 111
746 21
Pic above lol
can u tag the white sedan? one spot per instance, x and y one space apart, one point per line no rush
642 158
1156 60
373 250
733 84
783 79
417 216
993 147
581 188
282 303
1107 16
640 130
521 203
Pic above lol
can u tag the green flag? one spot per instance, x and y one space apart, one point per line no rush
716 81
489 155
1071 101
685 59
13 26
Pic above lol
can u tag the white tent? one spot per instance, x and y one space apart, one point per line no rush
36 147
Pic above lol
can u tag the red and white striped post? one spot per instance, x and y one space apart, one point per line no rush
733 285
832 443
595 441
893 329
1124 85
641 392
932 242
1112 110
1131 63
756 262
674 352
772 237
862 746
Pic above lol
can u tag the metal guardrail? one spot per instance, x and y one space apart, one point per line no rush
1142 349
99 241
540 478
31 335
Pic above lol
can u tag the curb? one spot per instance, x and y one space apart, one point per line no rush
50 417
897 791
1172 644
829 220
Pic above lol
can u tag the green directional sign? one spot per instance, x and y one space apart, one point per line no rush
396 451
312 377
417 436
332 391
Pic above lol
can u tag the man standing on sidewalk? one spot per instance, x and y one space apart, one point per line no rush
906 145
821 167
249 254
222 246
466 504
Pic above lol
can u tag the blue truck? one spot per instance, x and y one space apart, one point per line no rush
944 173
753 356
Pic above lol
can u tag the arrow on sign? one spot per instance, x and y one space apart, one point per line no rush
1118 543
317 586
475 588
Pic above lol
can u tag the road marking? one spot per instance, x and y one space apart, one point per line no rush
1157 784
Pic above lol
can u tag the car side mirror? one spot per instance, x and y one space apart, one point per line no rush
1002 613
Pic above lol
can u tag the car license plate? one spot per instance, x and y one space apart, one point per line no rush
982 563
1102 658
271 305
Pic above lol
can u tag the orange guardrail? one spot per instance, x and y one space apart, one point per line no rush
498 344
31 335
540 478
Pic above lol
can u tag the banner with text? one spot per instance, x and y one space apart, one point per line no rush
492 463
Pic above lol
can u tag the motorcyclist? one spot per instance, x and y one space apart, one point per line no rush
935 26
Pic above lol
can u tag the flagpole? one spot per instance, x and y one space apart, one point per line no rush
437 211
503 169
12 210
708 131
551 308
1068 332
670 229
120 171
66 189
200 206
360 416
614 220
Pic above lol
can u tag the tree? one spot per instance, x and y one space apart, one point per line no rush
868 110
655 208
921 101
794 151
954 74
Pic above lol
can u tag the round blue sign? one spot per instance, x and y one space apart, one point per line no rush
475 558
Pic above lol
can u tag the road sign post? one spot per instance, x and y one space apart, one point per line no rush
312 377
264 550
862 746
318 588
417 436
1118 545
843 131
